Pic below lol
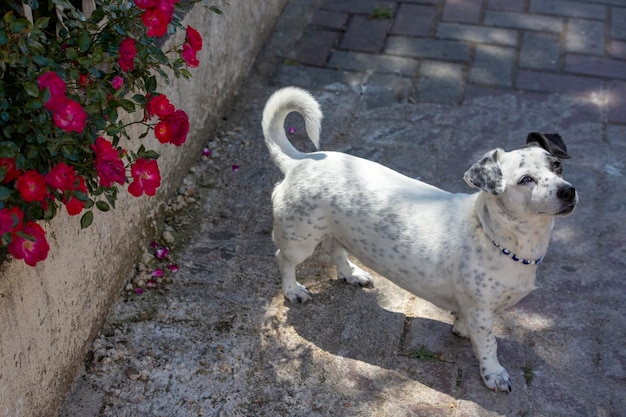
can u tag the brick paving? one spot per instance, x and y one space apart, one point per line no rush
442 48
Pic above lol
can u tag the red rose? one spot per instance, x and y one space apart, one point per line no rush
159 106
11 171
83 80
156 22
128 50
10 220
146 177
32 251
193 38
109 166
173 128
163 132
179 123
57 88
72 204
32 186
166 6
61 176
145 4
55 83
68 115
189 56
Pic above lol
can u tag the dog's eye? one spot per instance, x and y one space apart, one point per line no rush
525 180
557 167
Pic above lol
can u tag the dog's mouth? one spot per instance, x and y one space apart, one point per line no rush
563 212
567 210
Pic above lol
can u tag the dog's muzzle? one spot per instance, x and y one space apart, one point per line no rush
567 194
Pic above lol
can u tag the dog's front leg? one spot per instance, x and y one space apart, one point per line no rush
480 328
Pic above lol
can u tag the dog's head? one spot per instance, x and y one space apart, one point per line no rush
530 179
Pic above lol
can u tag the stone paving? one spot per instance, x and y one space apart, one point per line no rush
425 87
448 51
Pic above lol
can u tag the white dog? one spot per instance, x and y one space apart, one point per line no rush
471 254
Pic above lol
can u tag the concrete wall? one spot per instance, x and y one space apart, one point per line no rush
49 314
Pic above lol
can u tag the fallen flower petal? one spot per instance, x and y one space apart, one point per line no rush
162 252
157 273
173 268
206 152
235 167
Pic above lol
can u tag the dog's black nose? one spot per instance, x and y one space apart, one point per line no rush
567 193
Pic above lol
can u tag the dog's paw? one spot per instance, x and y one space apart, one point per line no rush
357 277
459 328
497 380
298 294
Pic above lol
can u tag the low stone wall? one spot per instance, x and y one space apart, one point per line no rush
49 314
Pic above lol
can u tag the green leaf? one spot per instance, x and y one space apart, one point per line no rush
5 193
82 196
69 152
18 25
102 206
111 199
84 41
151 84
71 54
50 212
127 105
6 239
31 89
150 154
140 99
86 219
8 149
42 22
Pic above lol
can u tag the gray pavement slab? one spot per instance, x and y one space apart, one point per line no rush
221 340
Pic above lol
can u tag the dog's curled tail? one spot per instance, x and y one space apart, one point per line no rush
278 106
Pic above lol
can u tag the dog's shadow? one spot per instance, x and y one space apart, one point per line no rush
349 322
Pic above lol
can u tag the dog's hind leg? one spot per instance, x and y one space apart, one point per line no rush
346 270
294 247
292 289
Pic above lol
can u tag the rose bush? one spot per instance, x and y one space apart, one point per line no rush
65 78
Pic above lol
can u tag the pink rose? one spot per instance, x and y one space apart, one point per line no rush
32 251
146 177
117 82
156 22
128 50
68 114
189 56
193 38
109 166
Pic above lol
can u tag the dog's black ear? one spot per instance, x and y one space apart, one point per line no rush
486 174
551 142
